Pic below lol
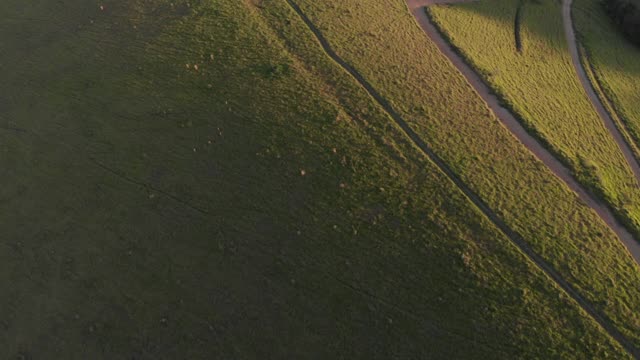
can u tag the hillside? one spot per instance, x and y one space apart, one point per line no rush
280 179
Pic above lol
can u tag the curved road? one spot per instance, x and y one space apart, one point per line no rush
569 31
510 122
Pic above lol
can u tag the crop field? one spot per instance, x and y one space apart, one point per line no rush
540 85
614 61
198 179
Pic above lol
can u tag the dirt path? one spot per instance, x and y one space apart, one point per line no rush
569 31
513 236
510 122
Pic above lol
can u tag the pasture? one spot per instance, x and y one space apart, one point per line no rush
197 179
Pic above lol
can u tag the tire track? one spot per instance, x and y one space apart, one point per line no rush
515 238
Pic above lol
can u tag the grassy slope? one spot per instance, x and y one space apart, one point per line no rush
132 236
540 85
614 61
411 73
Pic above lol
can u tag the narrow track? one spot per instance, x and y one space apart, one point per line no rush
609 123
416 8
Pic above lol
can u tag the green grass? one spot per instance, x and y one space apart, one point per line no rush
151 210
394 55
541 87
614 61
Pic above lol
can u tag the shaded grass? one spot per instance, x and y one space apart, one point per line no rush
418 81
257 206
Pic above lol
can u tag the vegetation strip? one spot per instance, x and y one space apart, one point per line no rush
605 99
611 61
500 224
514 126
591 93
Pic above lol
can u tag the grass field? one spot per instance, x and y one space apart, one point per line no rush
197 179
539 84
614 61
409 71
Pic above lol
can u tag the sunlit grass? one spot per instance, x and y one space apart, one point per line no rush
541 86
394 55
615 61
198 180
